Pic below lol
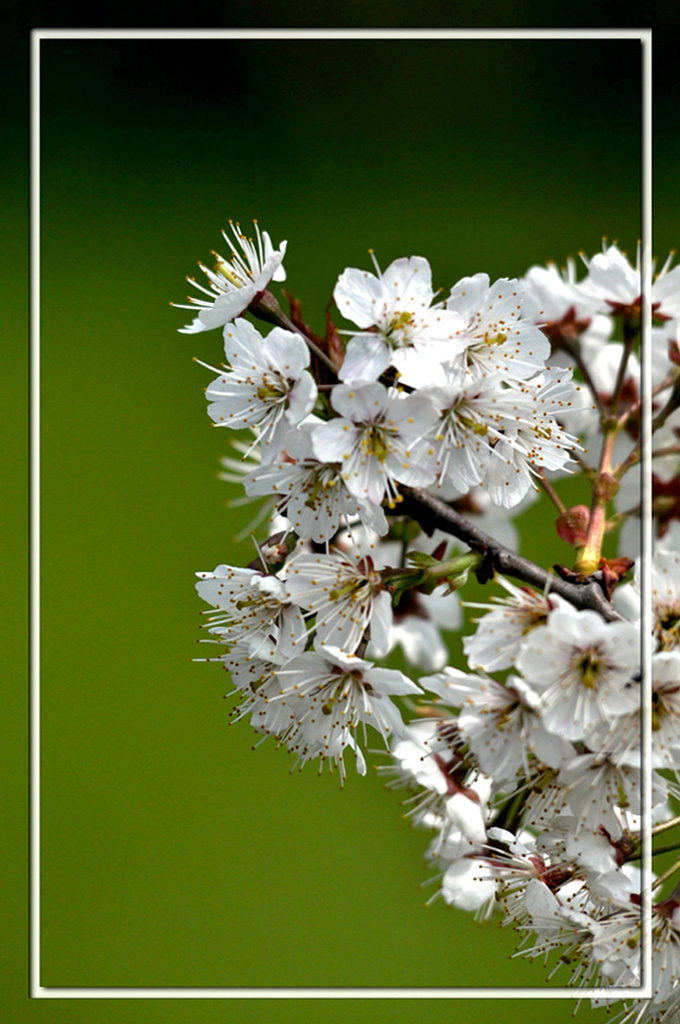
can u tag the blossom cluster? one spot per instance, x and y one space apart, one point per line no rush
531 782
392 455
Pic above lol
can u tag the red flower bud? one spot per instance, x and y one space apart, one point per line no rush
572 525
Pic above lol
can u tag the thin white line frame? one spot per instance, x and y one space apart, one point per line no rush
38 991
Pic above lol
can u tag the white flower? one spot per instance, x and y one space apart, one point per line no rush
666 707
461 437
399 325
466 882
267 385
426 762
378 440
559 844
556 923
614 282
666 960
418 751
328 693
495 338
468 885
256 679
496 642
311 494
666 598
454 798
602 356
551 295
583 667
252 609
622 737
665 340
500 435
498 721
235 284
596 791
531 437
346 598
665 591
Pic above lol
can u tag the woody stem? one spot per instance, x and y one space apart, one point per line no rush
434 514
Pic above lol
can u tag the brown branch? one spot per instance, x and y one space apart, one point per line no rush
669 449
630 334
552 494
433 514
631 460
671 405
637 404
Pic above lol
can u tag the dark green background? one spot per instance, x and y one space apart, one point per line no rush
172 854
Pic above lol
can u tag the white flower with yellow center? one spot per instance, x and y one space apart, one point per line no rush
311 494
345 596
328 693
666 598
235 283
583 668
495 337
378 440
399 325
461 437
251 608
267 385
500 434
499 634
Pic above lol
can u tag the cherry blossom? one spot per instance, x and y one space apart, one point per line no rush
399 325
235 283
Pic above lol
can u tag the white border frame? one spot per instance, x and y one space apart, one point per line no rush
38 991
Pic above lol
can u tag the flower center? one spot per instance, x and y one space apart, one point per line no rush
588 664
398 333
322 479
667 629
272 389
223 268
349 681
374 442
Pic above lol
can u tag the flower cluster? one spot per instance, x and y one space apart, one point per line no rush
393 455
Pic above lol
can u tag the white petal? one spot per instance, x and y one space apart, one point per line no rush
408 282
358 294
365 359
362 403
381 621
333 441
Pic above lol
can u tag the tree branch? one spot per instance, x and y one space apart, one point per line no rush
433 514
671 405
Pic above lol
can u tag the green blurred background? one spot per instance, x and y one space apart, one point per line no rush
172 854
